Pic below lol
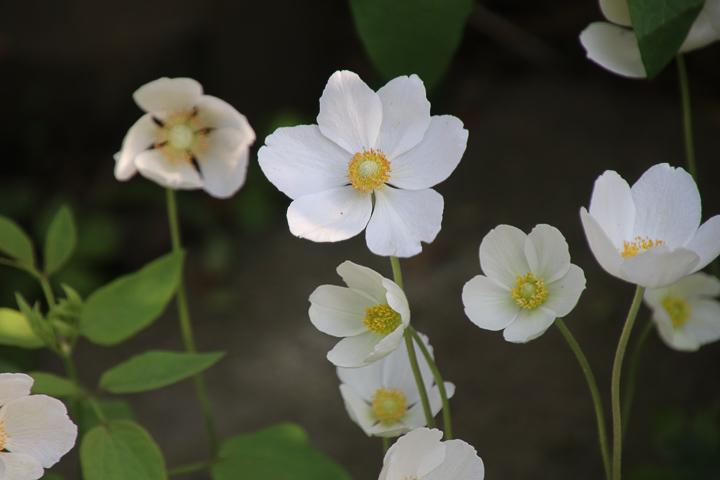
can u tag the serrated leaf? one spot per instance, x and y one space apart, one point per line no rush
53 385
60 241
16 331
15 243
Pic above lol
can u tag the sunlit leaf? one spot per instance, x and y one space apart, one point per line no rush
16 331
15 243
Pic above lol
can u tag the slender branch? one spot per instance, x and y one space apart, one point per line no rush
385 444
633 365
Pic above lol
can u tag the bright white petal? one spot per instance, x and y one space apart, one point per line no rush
436 399
613 48
658 267
502 255
215 113
697 285
415 454
677 339
405 116
601 246
613 208
564 294
706 242
352 352
13 386
397 300
365 381
387 344
168 95
338 311
487 304
704 322
547 253
529 325
363 279
224 163
461 463
175 174
139 138
359 411
16 466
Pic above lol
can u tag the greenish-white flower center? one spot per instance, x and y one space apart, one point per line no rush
181 137
677 309
388 405
381 319
529 292
368 170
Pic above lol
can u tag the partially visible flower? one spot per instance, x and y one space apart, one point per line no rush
686 313
421 455
186 140
650 234
613 45
35 431
371 315
383 399
369 162
528 282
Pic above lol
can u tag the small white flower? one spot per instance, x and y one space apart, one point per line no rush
650 234
421 455
369 162
528 282
686 313
383 399
186 140
371 314
35 431
613 45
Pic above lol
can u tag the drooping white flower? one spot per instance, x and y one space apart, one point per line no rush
369 162
650 234
186 140
528 282
686 313
613 45
421 455
370 315
383 399
35 431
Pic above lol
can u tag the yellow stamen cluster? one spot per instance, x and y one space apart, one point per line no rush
677 309
639 245
529 292
381 319
368 170
180 136
388 406
3 436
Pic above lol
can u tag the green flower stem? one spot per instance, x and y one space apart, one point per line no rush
385 444
633 364
594 392
189 468
615 382
186 326
397 271
687 116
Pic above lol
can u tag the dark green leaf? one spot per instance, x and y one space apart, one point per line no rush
60 241
15 243
53 385
16 331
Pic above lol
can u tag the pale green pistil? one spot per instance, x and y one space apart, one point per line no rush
181 137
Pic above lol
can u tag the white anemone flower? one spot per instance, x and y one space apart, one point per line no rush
383 399
528 282
613 45
35 431
686 313
369 162
421 455
370 315
186 140
650 234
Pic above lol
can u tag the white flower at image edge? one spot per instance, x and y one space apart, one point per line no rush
369 163
613 45
650 234
35 431
371 315
421 455
528 282
186 140
686 313
383 399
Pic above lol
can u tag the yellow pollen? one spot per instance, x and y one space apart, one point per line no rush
389 406
180 136
639 245
381 319
3 436
677 309
368 170
529 292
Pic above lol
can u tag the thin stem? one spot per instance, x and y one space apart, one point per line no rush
397 271
47 290
385 444
594 393
189 468
687 116
633 365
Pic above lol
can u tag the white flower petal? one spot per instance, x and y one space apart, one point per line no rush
397 372
225 161
677 339
613 208
363 279
168 95
397 300
436 399
359 411
387 344
338 311
352 352
547 253
139 138
616 11
600 244
14 386
613 48
16 466
564 294
704 322
658 267
502 255
405 115
461 463
365 381
414 455
215 113
529 325
693 286
175 174
705 29
706 242
488 305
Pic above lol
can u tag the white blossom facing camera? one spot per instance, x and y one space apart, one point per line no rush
528 282
650 234
186 140
35 431
370 315
369 163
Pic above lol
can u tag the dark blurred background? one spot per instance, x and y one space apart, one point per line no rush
543 121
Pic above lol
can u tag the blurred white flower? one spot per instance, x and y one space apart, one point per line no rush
369 162
421 455
186 140
35 431
371 314
650 234
686 313
528 282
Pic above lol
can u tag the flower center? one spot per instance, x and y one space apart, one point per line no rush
389 406
639 245
677 309
179 137
3 436
529 292
368 170
381 319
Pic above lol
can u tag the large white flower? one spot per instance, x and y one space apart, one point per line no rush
421 455
186 140
613 45
369 162
686 313
383 399
528 282
35 431
650 234
371 314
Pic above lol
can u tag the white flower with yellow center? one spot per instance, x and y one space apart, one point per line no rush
369 162
613 45
383 399
421 455
687 313
650 234
528 282
371 315
186 140
35 431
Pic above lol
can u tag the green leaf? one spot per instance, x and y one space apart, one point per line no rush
37 322
121 450
53 385
60 241
52 476
153 370
281 452
131 303
112 410
15 243
411 36
661 27
16 331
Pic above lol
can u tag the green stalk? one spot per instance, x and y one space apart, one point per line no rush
687 116
633 365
